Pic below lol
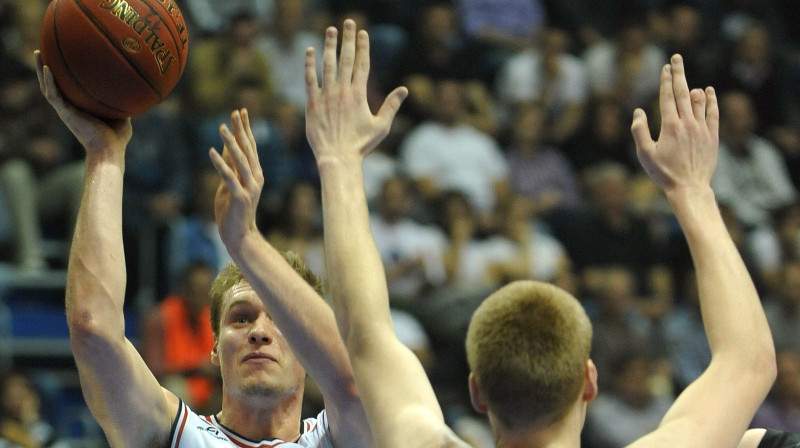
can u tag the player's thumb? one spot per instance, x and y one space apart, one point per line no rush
640 130
392 104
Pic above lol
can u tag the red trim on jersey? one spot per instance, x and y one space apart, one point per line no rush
182 425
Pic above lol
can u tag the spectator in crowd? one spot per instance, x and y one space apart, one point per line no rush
603 138
626 67
629 403
494 30
280 162
538 171
549 75
435 51
686 29
445 153
608 233
194 237
209 17
525 249
756 66
296 226
751 175
177 340
783 307
619 322
773 246
216 63
22 424
284 46
412 253
684 334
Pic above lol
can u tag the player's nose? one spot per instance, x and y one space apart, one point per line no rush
261 331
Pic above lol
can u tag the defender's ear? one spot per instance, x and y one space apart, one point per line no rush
478 403
590 383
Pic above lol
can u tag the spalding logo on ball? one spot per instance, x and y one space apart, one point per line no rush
114 58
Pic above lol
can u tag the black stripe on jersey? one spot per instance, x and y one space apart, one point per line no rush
780 439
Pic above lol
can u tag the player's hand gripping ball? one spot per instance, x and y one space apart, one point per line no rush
114 58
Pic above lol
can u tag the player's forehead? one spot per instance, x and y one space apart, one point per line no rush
241 295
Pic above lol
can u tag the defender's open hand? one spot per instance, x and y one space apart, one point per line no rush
685 155
338 120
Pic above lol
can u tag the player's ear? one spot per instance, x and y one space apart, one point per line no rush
475 396
590 381
215 353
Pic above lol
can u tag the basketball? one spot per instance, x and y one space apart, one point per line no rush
114 58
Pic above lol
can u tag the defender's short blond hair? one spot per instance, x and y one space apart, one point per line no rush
527 345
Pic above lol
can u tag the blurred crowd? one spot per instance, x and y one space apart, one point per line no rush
512 158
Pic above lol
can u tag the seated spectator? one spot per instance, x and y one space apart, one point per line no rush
628 67
537 171
496 29
619 322
211 17
412 253
547 74
604 137
445 153
686 341
21 421
751 176
194 236
177 339
296 225
783 308
629 409
217 62
774 245
609 233
285 47
531 253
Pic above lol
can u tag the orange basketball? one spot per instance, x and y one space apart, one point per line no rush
114 58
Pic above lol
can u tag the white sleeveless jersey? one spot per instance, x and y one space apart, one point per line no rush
190 430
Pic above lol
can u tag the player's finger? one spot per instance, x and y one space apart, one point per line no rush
698 98
640 130
238 159
666 96
348 54
681 88
37 56
312 84
225 171
712 111
255 164
362 60
242 138
392 104
329 58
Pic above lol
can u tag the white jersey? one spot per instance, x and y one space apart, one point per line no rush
190 430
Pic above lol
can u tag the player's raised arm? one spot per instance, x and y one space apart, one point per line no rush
716 409
395 390
123 395
300 313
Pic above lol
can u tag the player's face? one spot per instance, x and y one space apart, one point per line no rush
254 356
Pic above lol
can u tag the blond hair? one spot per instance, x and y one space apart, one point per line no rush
527 345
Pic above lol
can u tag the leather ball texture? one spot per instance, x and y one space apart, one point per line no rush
114 58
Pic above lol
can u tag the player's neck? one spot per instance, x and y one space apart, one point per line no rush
262 418
564 433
